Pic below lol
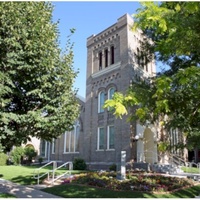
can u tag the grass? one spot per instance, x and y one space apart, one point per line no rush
190 170
24 174
5 195
81 191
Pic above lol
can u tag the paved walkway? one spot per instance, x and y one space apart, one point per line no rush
23 191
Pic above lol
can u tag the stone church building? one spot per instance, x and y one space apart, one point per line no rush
98 137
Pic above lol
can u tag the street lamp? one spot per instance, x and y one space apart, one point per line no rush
136 138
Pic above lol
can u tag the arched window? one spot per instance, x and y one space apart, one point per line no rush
101 99
111 91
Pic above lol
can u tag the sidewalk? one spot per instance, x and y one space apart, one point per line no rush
23 191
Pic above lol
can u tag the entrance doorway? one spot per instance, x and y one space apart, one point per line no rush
150 148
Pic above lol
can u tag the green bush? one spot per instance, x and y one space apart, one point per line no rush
79 164
40 160
16 154
3 159
113 167
30 153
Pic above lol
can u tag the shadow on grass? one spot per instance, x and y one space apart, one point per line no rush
81 191
24 180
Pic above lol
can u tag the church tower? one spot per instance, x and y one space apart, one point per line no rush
112 64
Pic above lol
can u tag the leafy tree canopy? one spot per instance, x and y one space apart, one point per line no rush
173 29
36 78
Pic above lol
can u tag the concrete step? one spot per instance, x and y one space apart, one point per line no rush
165 168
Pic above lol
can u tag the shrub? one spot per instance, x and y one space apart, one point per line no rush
17 154
3 159
79 164
40 160
30 152
113 167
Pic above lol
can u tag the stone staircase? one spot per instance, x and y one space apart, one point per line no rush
165 168
158 168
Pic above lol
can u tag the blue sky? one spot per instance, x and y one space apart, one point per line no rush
87 18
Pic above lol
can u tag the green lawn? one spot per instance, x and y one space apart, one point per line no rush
23 174
5 195
80 191
191 170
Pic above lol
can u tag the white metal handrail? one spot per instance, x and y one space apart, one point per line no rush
175 159
58 177
190 166
37 175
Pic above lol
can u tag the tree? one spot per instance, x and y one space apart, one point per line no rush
173 29
30 153
17 155
36 77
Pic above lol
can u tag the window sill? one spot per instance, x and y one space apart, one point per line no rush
70 152
107 69
100 150
110 149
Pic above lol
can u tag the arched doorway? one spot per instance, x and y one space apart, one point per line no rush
30 146
30 153
150 150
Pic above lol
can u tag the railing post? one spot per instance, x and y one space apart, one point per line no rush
199 167
38 179
70 166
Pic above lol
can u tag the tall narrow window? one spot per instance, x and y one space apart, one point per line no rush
53 146
110 137
111 92
100 60
67 142
101 99
106 57
112 56
77 139
100 138
44 148
72 139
